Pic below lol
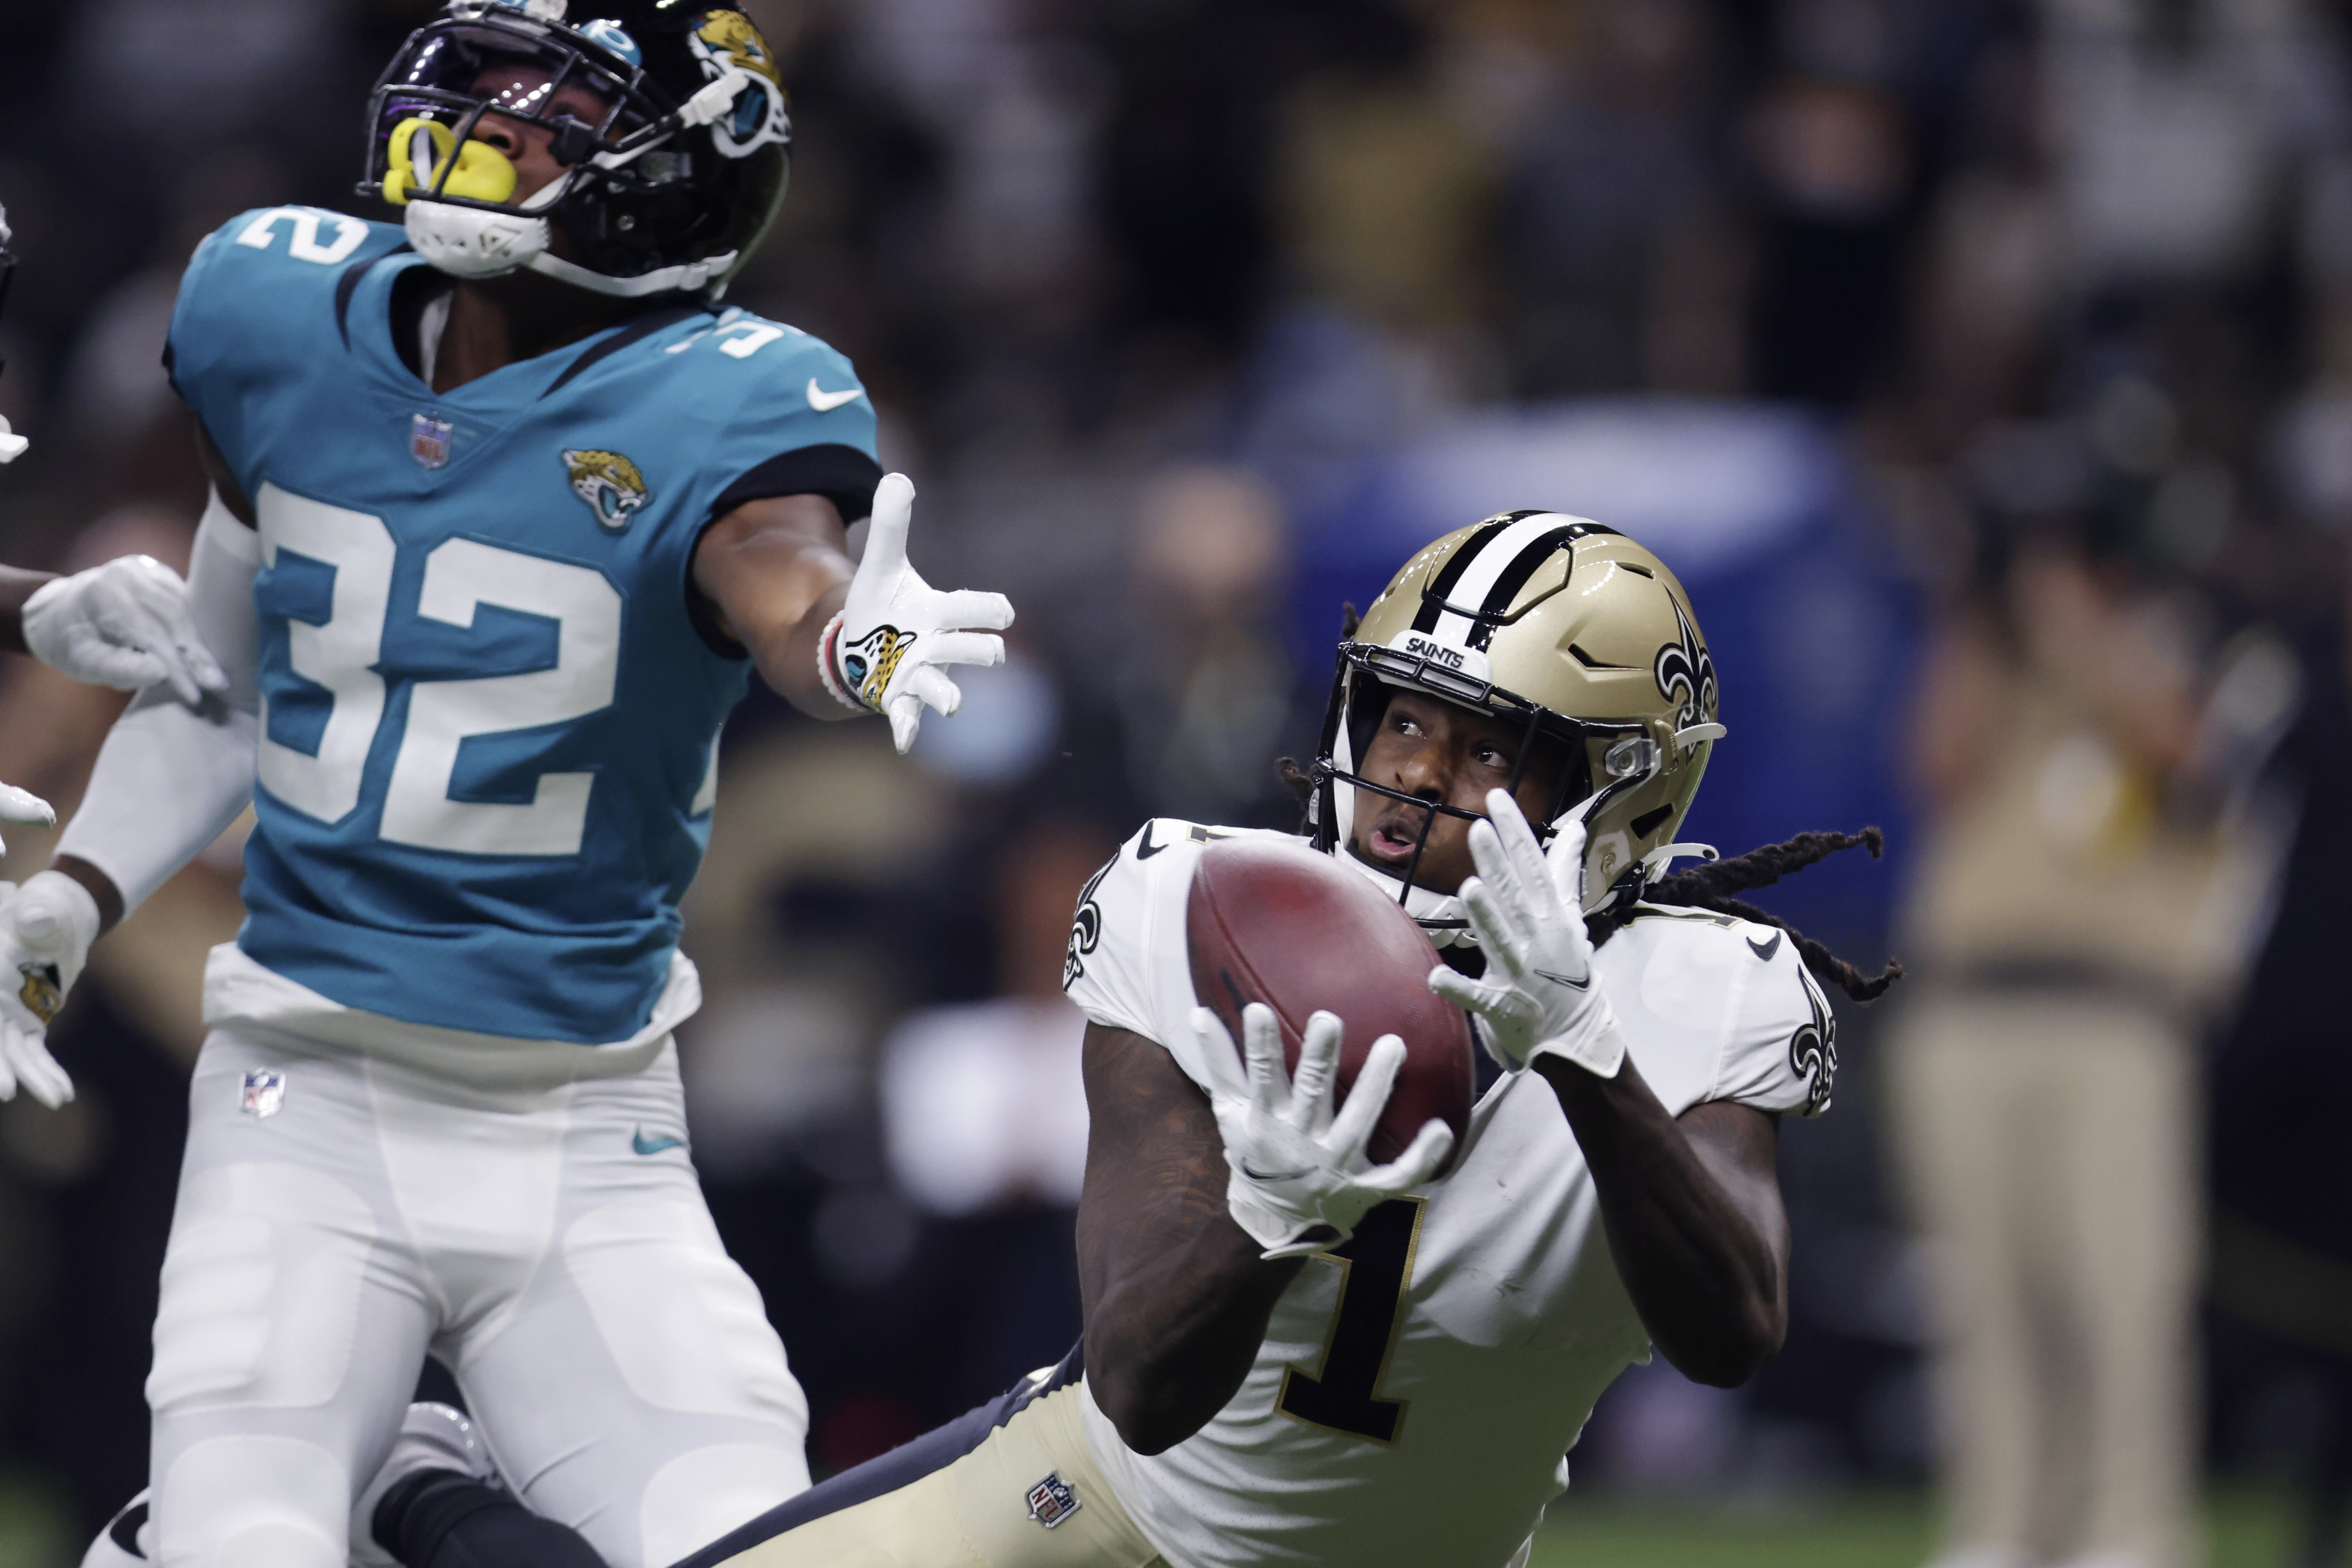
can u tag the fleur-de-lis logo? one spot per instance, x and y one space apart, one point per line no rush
1086 925
1686 673
1812 1050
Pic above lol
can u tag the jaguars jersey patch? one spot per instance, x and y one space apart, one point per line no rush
611 485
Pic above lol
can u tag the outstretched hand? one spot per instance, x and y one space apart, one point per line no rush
1301 1176
1538 995
124 623
898 633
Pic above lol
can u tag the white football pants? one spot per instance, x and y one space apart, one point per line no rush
549 1243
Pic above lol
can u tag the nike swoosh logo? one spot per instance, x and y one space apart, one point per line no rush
1584 985
1146 849
1274 1176
645 1145
826 402
1765 950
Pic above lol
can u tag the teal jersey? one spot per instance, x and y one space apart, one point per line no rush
490 721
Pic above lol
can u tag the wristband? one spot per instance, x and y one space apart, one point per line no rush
826 645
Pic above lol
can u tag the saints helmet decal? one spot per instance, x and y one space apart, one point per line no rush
611 485
1686 673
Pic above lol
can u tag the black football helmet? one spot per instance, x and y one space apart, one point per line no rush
668 116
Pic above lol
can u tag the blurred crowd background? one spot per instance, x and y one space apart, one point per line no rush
1983 367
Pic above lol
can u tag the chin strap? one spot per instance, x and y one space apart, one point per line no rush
1659 861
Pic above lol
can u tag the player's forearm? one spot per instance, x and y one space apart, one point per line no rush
1177 1296
16 585
787 662
1700 1246
1169 1345
167 782
773 572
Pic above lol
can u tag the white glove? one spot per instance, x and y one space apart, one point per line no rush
124 625
46 930
1538 997
21 805
1300 1172
12 446
885 651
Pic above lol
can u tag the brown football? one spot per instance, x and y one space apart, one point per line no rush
1273 922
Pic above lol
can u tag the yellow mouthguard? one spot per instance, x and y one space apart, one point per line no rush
482 175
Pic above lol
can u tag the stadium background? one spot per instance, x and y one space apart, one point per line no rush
1190 318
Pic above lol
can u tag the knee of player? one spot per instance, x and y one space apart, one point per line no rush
254 1502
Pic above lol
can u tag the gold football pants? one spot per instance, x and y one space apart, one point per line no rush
1024 1495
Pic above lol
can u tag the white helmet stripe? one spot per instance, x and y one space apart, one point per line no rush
1470 589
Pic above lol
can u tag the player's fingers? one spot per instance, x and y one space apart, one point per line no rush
9 1033
103 663
1478 996
1497 933
905 712
1500 873
886 536
1519 842
1565 858
1262 1046
1420 1161
24 805
963 648
1219 1058
975 610
1311 1084
1368 1095
38 1072
932 685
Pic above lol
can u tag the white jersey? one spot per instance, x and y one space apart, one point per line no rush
1416 1394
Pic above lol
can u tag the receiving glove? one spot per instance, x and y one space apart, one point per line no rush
124 625
1539 998
46 930
1300 1178
885 651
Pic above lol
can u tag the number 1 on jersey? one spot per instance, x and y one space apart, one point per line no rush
1375 1272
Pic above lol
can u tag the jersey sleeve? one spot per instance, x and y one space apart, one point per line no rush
804 425
1780 1051
1109 968
1129 965
261 301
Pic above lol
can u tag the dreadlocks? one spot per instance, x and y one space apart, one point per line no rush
1711 884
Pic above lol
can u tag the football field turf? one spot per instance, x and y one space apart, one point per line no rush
2245 1528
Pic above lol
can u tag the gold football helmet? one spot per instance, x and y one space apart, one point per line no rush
1567 627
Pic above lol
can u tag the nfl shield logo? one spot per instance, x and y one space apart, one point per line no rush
428 440
1052 1500
265 1092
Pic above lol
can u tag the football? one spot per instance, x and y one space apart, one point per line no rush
1275 923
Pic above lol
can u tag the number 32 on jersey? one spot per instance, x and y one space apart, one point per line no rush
340 653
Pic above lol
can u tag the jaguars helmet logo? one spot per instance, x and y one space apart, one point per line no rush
1685 674
726 42
611 485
